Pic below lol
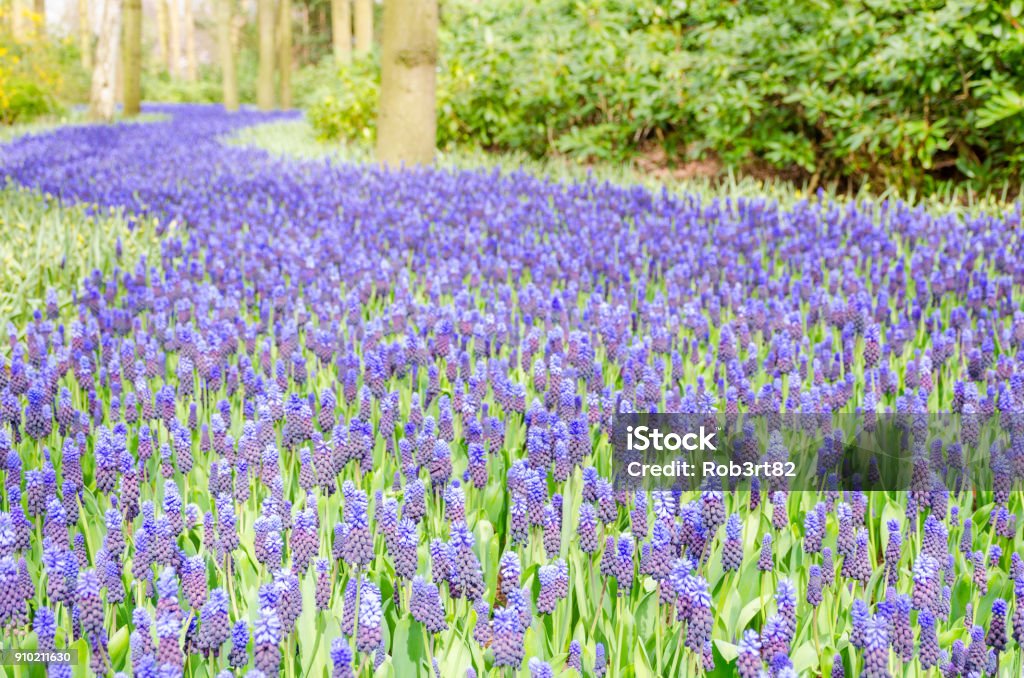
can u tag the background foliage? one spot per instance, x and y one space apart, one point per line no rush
910 93
37 75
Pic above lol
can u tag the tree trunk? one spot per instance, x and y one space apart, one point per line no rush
174 38
132 56
191 64
85 35
17 20
341 30
407 115
104 75
161 35
285 53
39 7
265 75
228 78
364 26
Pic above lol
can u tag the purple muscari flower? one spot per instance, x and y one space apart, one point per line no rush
732 549
980 571
425 605
775 638
600 662
509 572
470 573
548 597
45 626
785 599
87 600
699 613
838 670
239 641
575 658
780 516
323 584
996 636
289 599
226 523
552 536
748 661
828 573
38 414
928 645
439 464
540 669
507 638
454 503
266 641
519 600
415 506
814 585
926 583
965 537
477 456
370 618
482 627
341 658
892 553
903 634
587 529
216 626
356 539
304 538
976 660
764 560
405 550
934 538
622 566
814 531
859 616
193 580
876 648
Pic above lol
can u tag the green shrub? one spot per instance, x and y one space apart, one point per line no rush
346 109
909 93
38 76
206 89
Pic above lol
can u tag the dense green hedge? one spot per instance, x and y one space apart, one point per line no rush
902 92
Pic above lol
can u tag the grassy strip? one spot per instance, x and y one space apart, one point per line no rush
48 246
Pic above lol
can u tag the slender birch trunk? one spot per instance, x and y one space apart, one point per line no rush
85 35
132 56
174 38
191 63
162 40
364 25
341 31
103 95
228 77
265 74
285 53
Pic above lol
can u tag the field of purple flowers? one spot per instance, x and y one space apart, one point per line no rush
356 422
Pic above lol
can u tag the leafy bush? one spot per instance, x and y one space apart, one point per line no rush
37 75
206 89
347 109
909 93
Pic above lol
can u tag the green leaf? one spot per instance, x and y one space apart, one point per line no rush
408 652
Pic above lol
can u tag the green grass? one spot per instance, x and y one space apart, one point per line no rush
45 245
